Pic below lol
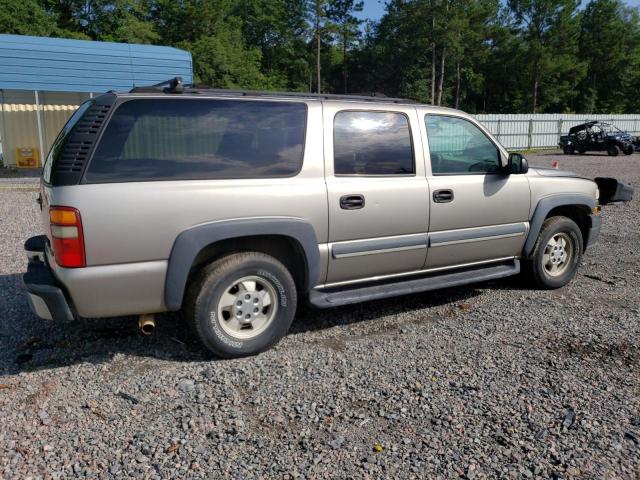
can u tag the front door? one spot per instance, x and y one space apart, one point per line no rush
478 212
377 192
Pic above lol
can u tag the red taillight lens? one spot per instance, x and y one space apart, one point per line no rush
66 237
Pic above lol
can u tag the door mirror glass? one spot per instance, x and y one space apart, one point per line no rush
517 164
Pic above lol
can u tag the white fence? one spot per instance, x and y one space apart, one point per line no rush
529 131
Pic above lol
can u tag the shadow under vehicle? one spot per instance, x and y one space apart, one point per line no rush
597 136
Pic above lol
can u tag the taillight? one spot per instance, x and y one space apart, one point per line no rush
66 237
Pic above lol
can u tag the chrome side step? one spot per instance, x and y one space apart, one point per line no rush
336 298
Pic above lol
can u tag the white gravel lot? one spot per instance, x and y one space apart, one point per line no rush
490 381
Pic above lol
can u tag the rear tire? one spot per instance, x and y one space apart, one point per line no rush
556 254
613 150
241 304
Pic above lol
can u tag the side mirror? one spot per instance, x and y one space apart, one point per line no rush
517 164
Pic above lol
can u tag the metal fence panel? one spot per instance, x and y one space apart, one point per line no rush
542 131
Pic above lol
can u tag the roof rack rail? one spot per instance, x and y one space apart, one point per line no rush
175 85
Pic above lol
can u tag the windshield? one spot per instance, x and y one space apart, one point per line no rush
61 140
608 128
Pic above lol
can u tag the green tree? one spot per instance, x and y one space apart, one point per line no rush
278 29
610 46
221 61
550 29
317 11
25 17
348 28
213 34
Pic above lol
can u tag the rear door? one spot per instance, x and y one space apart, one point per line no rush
377 191
478 212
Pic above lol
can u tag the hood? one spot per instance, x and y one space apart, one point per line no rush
552 172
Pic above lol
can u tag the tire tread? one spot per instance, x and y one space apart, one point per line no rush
532 268
194 301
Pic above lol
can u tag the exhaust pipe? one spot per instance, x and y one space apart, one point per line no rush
147 324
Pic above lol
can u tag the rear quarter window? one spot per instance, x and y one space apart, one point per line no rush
57 149
189 139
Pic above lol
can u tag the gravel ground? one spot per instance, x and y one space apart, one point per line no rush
490 381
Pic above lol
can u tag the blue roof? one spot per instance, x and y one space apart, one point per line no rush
63 65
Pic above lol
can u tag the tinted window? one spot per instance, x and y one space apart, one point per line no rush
372 143
55 154
457 146
177 139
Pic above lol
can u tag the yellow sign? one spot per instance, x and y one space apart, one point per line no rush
27 157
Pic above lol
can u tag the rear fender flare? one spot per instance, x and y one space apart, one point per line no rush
190 243
543 208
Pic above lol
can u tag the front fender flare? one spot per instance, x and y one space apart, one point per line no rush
191 242
543 208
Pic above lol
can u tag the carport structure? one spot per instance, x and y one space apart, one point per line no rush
43 80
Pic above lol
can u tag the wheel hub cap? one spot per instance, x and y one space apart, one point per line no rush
247 307
557 254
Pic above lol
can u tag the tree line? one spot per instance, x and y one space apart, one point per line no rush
478 55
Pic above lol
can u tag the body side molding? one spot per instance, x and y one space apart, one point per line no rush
545 205
191 242
476 234
378 245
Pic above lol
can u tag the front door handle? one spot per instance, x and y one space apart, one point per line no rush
443 196
351 202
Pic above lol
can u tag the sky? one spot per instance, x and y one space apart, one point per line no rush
374 9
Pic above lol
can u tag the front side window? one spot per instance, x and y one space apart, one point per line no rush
457 146
185 139
372 143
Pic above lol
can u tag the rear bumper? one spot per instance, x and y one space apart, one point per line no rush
46 298
594 231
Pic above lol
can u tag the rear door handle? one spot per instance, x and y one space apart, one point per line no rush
443 196
352 202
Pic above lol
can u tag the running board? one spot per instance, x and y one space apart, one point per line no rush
336 298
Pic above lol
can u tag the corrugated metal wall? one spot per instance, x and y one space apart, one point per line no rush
18 120
52 66
528 131
64 65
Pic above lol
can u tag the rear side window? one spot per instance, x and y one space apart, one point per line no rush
372 143
188 139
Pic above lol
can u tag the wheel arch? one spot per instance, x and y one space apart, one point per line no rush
576 206
291 240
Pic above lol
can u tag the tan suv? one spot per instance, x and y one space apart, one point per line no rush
235 206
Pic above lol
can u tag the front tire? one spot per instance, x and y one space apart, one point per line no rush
241 304
628 149
556 254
